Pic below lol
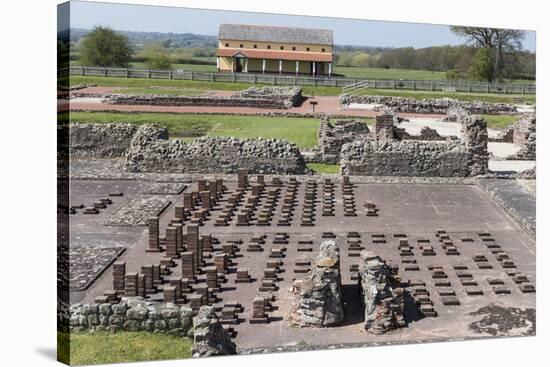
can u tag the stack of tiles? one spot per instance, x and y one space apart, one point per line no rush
141 286
212 277
195 302
243 276
371 209
147 271
308 213
188 202
170 294
154 245
221 262
258 311
194 246
242 179
187 265
206 200
177 284
171 242
131 285
328 198
348 198
119 271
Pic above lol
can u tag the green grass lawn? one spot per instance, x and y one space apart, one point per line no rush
486 97
185 85
391 74
500 121
301 131
324 167
101 348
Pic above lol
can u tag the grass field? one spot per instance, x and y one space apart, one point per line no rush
500 121
101 348
301 131
391 74
307 90
324 168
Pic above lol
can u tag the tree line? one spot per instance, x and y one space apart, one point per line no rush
488 54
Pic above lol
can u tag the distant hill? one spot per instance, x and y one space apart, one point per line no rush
169 40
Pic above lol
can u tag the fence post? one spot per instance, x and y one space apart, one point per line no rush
191 74
170 74
255 79
414 84
233 77
393 84
523 89
432 86
82 70
104 72
488 88
148 73
127 72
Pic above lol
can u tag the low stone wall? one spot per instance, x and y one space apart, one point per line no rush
109 140
131 314
405 158
291 96
216 155
435 105
208 101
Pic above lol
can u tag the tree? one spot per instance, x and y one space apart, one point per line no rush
156 57
360 60
482 65
104 47
500 40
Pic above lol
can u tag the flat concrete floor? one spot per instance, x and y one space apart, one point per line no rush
415 211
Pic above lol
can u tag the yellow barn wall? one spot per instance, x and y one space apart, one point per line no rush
274 46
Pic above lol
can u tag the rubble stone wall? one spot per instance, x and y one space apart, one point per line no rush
475 136
332 136
317 299
216 155
210 338
108 140
405 158
434 105
131 314
209 101
291 96
525 134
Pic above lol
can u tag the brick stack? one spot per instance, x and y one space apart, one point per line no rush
258 311
243 276
212 277
119 271
170 294
154 245
242 179
187 266
147 271
206 200
171 242
131 285
193 246
141 286
221 262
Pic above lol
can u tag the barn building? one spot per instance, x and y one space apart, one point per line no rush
268 49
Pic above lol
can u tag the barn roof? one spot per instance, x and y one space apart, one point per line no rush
260 33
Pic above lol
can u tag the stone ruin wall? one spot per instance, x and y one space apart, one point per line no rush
291 96
267 97
147 149
332 136
317 299
131 314
386 155
216 155
108 140
434 105
525 134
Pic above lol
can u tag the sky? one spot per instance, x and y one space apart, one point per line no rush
142 18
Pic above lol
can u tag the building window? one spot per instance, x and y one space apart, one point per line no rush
255 46
269 47
322 50
282 47
241 45
307 48
293 48
227 45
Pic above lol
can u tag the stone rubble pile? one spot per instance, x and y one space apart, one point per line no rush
432 105
317 299
523 133
381 295
290 96
215 155
210 338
